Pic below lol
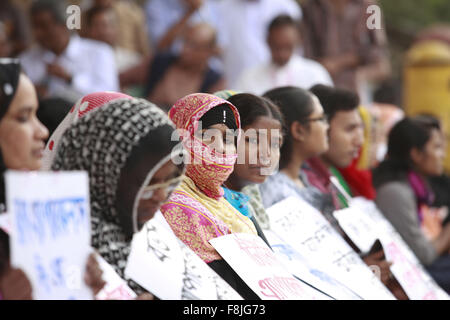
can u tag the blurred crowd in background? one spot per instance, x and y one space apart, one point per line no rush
163 50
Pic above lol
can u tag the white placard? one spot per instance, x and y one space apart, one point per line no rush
50 234
167 268
260 269
357 227
364 216
115 287
302 269
309 233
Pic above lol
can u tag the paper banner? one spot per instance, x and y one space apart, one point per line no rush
302 269
309 233
363 217
115 287
50 234
167 268
258 266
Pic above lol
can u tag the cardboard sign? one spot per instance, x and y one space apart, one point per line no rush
363 217
167 268
50 233
302 269
115 287
309 233
259 267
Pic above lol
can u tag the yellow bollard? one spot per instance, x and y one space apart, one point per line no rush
427 84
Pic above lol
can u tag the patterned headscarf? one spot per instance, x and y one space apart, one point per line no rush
196 211
121 146
83 106
207 169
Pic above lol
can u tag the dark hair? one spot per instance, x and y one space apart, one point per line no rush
56 8
282 20
410 133
52 112
296 104
388 92
406 135
251 107
220 114
334 100
93 12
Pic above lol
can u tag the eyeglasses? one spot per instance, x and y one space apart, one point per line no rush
323 118
169 185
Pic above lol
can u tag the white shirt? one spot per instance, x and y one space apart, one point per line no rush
163 14
242 31
299 72
125 58
91 64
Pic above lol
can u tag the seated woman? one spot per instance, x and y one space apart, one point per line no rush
22 138
197 210
415 153
306 137
259 153
125 146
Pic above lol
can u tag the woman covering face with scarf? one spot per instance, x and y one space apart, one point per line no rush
124 146
196 210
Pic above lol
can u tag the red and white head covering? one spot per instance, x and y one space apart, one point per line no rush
208 169
83 106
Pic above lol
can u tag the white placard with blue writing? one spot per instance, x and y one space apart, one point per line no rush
309 233
167 268
50 236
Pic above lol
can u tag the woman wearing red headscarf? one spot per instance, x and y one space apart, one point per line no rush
197 210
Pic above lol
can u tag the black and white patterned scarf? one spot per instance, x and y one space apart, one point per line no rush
121 145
